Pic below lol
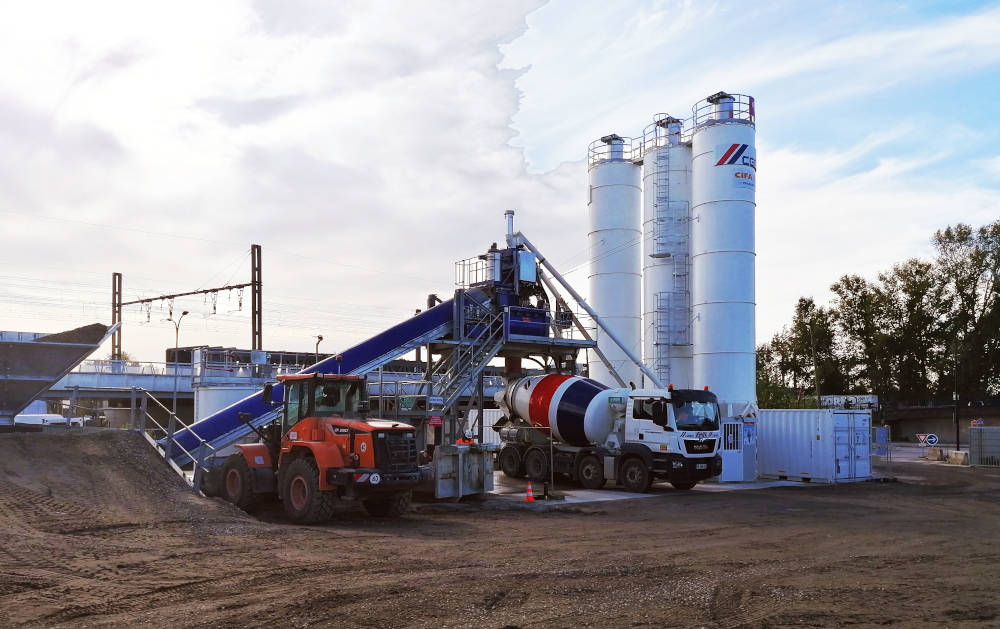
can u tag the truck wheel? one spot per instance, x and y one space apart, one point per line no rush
388 505
635 475
237 486
510 462
536 465
590 472
683 486
304 502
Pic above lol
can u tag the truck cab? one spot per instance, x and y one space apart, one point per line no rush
676 433
323 449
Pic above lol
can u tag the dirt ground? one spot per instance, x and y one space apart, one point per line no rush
97 532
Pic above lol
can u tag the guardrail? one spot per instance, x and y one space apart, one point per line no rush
165 441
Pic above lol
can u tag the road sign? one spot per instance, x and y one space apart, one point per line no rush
932 440
434 420
435 400
977 422
922 439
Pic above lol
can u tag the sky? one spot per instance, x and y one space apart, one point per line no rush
367 146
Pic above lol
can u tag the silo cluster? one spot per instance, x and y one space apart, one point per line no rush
672 248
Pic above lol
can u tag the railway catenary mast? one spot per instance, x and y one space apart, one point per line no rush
613 207
666 310
723 205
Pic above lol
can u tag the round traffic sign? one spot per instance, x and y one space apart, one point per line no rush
932 440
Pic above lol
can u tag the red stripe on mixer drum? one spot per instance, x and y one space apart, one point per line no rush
541 398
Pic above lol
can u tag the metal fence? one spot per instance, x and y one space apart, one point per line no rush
984 446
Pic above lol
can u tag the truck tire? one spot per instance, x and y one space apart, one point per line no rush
536 465
590 472
236 484
635 475
510 462
388 505
683 486
303 501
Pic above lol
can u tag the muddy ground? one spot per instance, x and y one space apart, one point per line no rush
98 532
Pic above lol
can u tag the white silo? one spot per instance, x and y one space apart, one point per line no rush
666 209
615 198
724 172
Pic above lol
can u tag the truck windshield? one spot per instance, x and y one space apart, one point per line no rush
696 415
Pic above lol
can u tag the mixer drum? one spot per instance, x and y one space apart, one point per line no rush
575 408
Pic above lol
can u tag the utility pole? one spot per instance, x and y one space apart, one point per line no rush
256 286
116 315
954 396
177 338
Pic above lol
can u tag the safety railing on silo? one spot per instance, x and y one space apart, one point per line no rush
722 108
614 148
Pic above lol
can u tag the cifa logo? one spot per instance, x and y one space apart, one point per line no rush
737 155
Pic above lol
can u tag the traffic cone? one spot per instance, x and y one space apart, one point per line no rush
530 497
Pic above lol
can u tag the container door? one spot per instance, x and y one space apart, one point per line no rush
862 445
843 435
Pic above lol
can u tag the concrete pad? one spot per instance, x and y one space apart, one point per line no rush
514 490
957 457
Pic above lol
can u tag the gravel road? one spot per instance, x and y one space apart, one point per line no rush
98 532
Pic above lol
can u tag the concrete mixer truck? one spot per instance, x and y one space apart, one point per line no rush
597 434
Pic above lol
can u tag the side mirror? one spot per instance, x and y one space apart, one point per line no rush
266 393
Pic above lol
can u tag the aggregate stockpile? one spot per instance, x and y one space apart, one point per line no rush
596 434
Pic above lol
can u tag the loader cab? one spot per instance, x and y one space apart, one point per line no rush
323 395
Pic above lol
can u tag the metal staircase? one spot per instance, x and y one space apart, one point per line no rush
671 238
470 356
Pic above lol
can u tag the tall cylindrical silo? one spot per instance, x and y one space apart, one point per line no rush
666 209
724 172
615 198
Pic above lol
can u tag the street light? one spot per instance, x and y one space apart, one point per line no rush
177 337
319 338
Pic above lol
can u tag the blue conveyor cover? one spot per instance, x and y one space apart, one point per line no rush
223 427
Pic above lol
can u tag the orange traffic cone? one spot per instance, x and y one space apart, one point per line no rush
530 497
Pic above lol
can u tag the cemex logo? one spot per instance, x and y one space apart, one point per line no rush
737 154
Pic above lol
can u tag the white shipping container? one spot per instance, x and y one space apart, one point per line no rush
825 445
491 416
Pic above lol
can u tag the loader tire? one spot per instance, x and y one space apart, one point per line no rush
303 501
236 484
388 505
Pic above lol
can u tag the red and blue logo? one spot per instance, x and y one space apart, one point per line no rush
738 155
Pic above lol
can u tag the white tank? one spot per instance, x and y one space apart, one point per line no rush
722 246
615 236
666 219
